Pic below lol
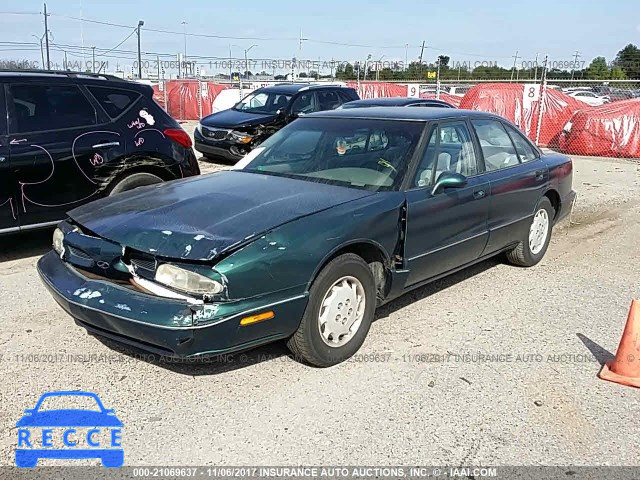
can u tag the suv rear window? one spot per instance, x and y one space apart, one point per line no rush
50 107
114 101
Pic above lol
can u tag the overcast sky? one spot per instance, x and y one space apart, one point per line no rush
467 31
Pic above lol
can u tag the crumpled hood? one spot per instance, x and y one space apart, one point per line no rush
202 217
232 119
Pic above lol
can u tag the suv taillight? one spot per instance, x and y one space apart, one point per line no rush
179 136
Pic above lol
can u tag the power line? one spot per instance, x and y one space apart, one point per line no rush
126 38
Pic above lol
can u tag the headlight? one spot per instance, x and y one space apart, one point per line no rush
199 128
241 137
181 279
58 237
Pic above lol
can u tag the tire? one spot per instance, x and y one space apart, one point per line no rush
532 248
308 343
134 180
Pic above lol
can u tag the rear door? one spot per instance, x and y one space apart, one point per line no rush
448 229
518 179
8 212
56 148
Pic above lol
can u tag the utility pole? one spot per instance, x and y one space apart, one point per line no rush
535 74
140 23
421 53
93 59
575 62
406 56
230 67
246 62
65 61
366 62
515 60
46 35
158 63
40 39
184 34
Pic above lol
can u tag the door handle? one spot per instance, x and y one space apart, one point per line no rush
478 194
106 145
539 174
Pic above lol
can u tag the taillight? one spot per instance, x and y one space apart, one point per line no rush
179 136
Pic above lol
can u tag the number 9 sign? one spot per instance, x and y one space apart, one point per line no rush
413 90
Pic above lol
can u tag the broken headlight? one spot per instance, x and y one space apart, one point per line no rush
187 281
58 237
241 137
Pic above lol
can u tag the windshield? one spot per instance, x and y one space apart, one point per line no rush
358 153
263 102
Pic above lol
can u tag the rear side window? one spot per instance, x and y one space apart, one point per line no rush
50 107
524 149
328 100
496 145
114 101
347 96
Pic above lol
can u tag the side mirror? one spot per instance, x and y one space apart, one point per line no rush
448 180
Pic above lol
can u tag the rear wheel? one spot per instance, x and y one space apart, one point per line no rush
341 306
134 180
531 249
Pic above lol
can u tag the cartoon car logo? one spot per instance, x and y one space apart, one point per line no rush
41 433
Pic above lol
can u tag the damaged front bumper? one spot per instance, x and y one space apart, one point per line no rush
170 327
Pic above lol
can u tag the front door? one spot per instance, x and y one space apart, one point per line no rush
448 229
55 147
8 212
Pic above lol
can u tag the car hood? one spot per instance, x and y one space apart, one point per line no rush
233 119
69 418
203 217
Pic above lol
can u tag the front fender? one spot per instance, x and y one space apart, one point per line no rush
287 258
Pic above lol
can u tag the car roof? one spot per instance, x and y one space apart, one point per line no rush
423 114
72 77
395 101
296 87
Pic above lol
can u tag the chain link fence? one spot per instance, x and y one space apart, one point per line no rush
582 117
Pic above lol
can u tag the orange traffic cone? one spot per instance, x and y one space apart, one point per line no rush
625 368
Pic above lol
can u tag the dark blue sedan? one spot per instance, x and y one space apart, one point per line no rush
332 216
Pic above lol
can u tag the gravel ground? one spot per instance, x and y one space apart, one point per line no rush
421 391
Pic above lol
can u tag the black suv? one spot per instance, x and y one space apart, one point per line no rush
69 138
231 134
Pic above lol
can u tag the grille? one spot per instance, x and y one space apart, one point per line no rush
145 264
79 253
215 133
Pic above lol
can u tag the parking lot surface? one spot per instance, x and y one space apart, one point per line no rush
494 365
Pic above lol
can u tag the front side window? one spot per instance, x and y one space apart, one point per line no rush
449 150
497 148
357 153
50 107
263 102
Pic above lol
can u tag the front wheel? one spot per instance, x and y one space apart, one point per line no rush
342 302
531 249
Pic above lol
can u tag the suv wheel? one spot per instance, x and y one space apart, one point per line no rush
134 180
